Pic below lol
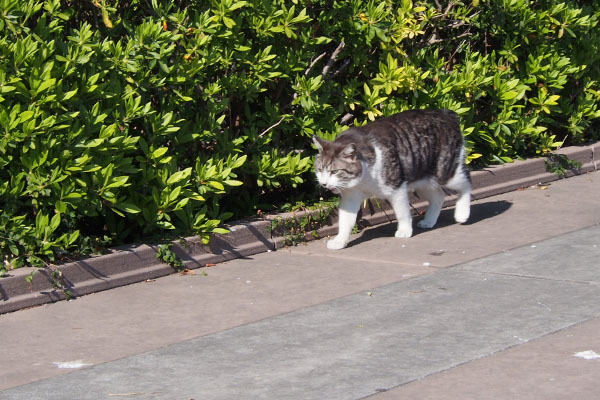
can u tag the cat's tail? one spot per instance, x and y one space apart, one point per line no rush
461 183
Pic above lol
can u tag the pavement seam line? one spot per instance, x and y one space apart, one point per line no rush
457 269
359 259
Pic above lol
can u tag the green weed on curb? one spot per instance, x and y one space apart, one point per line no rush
166 254
560 164
309 220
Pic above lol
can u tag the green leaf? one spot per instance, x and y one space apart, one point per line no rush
45 85
230 23
174 194
182 203
128 208
197 197
26 116
117 182
41 221
164 67
15 250
60 206
165 225
90 168
93 79
73 196
216 185
166 119
69 94
159 152
179 175
94 143
239 162
509 95
55 222
73 237
237 5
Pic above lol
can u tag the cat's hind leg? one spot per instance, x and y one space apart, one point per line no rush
401 206
433 193
461 184
349 206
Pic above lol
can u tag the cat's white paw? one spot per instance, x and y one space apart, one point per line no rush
462 209
425 224
461 214
404 233
336 244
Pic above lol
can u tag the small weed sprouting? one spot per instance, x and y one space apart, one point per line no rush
293 229
560 164
29 279
58 282
166 254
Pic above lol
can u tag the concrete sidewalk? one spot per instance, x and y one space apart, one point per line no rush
507 306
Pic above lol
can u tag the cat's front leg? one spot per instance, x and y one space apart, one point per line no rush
401 205
349 206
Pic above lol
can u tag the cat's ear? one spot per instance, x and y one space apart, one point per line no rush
349 152
319 142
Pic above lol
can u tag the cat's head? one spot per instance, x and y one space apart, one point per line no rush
337 166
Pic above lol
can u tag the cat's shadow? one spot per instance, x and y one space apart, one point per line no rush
479 212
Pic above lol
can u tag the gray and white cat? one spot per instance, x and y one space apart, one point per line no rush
420 150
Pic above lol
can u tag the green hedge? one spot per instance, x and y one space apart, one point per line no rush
123 120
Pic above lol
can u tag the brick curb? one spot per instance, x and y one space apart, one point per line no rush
135 263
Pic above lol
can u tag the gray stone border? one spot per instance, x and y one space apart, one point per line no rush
136 263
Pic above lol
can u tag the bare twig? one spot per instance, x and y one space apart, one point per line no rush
312 64
346 118
272 126
328 66
450 7
434 39
332 59
449 62
456 24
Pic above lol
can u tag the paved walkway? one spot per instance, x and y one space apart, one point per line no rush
505 307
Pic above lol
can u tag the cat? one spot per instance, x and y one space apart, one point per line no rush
420 150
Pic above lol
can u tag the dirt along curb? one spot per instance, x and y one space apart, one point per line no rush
136 263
